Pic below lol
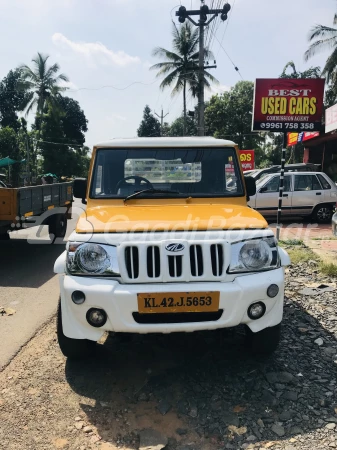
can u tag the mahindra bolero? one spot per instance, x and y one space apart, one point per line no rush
168 244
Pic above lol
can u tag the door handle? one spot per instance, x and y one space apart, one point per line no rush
318 193
285 195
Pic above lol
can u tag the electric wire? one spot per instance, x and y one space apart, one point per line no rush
225 30
113 87
68 144
234 65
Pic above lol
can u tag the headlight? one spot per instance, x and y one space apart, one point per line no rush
92 259
254 255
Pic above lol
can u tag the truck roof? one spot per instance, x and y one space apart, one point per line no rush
156 142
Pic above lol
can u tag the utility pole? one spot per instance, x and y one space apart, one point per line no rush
203 13
27 162
161 117
201 102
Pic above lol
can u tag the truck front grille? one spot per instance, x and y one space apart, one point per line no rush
153 263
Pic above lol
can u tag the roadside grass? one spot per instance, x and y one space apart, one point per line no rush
290 242
327 238
298 252
329 269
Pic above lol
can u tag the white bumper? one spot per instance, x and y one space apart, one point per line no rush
120 302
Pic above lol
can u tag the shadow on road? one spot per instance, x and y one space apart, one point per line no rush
202 383
27 265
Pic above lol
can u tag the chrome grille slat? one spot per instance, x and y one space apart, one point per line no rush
217 259
131 255
153 262
132 263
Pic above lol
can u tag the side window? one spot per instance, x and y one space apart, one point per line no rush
324 182
286 184
307 183
99 179
272 185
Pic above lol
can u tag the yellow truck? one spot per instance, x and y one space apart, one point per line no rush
168 244
36 205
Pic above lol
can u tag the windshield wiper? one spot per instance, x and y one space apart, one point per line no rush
151 191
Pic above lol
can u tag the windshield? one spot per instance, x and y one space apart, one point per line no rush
119 173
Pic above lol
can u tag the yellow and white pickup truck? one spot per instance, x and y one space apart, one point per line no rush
168 244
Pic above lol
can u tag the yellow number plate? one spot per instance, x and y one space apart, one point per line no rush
178 302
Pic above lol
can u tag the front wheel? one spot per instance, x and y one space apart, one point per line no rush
323 214
72 348
263 342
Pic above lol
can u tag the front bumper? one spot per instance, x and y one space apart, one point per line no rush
120 302
334 224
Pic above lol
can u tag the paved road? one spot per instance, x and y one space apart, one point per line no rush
28 285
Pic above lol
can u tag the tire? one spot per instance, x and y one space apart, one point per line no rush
323 214
73 348
264 342
57 226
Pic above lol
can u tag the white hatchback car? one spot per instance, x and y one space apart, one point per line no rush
305 194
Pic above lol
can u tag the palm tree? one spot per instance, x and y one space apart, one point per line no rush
312 72
324 38
42 83
181 66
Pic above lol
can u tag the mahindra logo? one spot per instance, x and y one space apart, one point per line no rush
175 247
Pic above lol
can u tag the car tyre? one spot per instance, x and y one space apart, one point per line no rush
323 214
264 342
75 349
57 226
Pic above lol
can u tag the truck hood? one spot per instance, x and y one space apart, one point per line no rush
146 218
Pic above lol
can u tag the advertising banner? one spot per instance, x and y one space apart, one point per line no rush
247 158
288 105
331 119
295 138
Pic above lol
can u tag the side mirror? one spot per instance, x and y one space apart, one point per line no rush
250 186
80 188
263 189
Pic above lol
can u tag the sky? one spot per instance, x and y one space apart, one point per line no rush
105 48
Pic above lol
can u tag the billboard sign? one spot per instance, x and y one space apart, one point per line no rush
247 158
331 119
288 105
295 138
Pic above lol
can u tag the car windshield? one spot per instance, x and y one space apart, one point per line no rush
197 172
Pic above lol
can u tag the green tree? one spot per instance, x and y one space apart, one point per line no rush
12 100
177 127
229 116
42 83
181 66
325 38
149 126
312 72
9 146
62 139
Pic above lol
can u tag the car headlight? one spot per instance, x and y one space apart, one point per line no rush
92 259
254 255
